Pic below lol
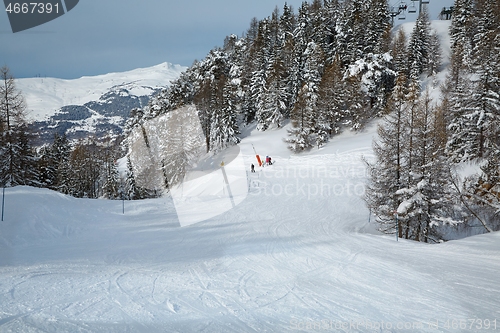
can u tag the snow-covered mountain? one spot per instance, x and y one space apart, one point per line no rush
91 104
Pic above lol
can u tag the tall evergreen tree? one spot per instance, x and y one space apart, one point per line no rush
332 97
398 52
474 98
111 183
389 172
410 180
131 191
224 132
26 161
302 119
419 46
428 195
288 59
357 109
61 151
272 110
378 27
304 132
15 154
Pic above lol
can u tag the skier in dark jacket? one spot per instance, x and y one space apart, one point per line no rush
252 167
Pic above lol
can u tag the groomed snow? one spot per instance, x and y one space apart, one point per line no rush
299 254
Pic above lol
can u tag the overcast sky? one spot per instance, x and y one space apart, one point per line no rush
102 36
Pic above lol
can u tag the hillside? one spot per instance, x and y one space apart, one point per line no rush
298 254
92 104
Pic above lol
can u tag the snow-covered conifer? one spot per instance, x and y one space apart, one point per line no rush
419 47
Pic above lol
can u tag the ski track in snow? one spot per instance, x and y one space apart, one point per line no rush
278 262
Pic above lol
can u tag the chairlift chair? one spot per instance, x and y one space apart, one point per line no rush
412 9
402 6
425 2
402 10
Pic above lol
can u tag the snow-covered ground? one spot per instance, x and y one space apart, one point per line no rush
299 254
44 96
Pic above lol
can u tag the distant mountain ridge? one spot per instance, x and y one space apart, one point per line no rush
91 105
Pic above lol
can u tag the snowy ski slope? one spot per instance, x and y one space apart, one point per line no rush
297 255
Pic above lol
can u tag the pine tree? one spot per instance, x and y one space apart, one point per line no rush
389 172
357 110
110 177
262 51
202 100
474 97
216 96
301 38
86 169
26 160
131 191
258 94
305 113
374 79
272 109
60 153
111 184
45 167
461 32
288 59
378 26
331 17
224 132
398 52
224 128
435 58
419 49
302 123
332 99
429 199
351 42
412 180
481 111
486 92
15 153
